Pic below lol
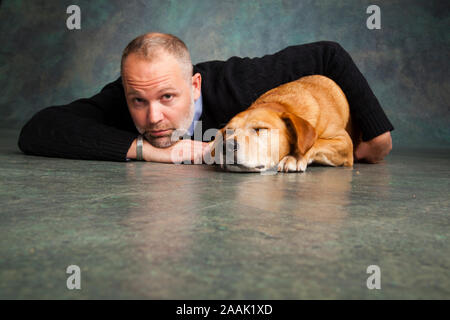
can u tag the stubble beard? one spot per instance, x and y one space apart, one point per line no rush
167 141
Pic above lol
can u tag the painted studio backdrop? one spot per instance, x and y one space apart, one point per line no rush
406 61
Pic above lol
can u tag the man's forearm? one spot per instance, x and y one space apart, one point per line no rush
184 150
98 128
131 154
62 132
150 153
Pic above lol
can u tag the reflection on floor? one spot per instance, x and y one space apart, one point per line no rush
147 230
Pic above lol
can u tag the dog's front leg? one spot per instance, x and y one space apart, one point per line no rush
295 163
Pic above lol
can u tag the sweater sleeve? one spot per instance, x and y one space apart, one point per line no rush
243 80
364 105
331 60
98 128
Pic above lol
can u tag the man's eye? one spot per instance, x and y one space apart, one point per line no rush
167 97
138 100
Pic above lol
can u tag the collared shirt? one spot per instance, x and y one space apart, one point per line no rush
197 114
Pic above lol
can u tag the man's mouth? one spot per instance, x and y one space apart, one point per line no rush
159 133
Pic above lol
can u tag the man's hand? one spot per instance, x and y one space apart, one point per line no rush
374 150
186 150
183 150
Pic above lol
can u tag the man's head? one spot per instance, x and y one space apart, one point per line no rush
160 89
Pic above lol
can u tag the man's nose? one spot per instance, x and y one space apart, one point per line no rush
154 114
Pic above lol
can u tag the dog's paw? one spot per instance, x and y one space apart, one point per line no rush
292 164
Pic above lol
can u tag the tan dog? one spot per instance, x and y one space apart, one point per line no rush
289 127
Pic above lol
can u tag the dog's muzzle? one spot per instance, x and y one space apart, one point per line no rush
230 146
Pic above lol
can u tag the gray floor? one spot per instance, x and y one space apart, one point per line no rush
147 230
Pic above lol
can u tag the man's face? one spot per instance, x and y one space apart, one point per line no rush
160 98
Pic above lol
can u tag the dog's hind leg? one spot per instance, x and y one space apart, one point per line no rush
336 151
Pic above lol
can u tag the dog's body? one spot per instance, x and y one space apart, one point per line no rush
312 120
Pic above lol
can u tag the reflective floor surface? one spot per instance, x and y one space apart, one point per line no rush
162 231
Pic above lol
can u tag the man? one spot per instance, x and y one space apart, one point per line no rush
159 91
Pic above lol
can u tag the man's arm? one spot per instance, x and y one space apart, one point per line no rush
244 80
98 128
183 150
364 107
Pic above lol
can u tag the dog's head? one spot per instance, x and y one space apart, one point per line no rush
257 139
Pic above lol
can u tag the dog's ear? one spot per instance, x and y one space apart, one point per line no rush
218 138
302 135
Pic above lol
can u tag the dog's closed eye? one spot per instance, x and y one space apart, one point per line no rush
257 130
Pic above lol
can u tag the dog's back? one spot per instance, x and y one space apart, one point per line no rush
317 99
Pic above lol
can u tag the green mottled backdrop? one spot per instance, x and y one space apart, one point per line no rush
42 63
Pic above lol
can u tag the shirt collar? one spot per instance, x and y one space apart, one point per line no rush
197 114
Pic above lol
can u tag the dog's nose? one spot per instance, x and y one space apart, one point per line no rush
230 145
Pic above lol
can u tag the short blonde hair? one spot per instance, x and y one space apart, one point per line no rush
149 46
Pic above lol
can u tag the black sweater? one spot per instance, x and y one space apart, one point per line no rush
101 127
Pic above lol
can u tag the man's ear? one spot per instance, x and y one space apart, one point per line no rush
197 85
302 135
